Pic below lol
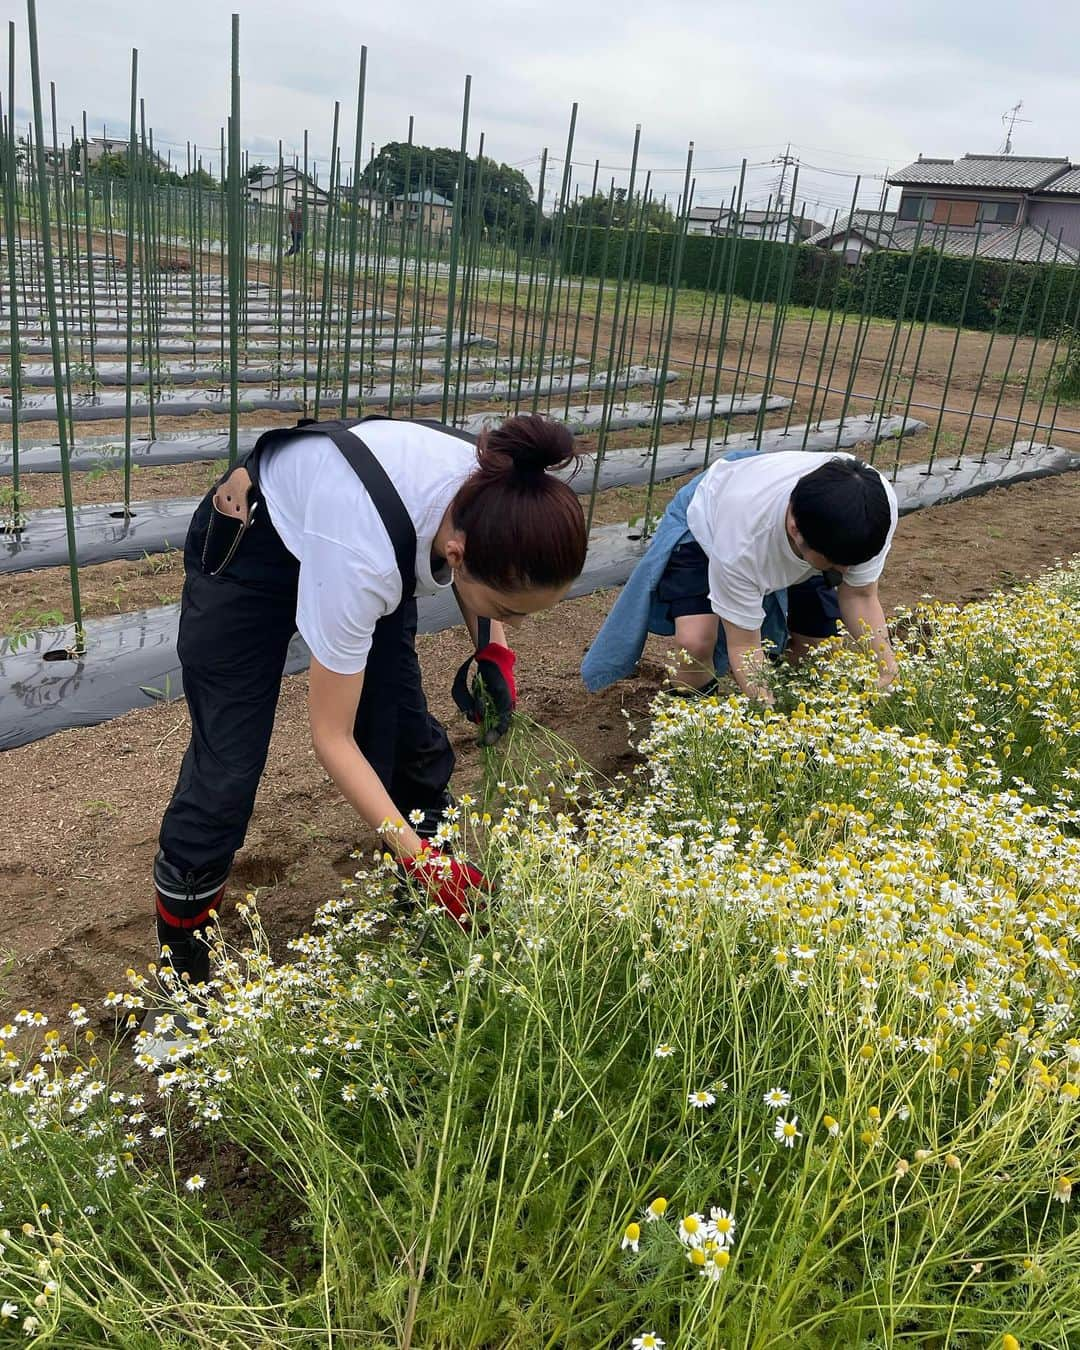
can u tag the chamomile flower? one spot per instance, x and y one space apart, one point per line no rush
777 1098
655 1209
664 1050
786 1131
195 1182
647 1341
701 1098
721 1226
631 1237
692 1230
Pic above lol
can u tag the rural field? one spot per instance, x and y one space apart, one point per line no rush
767 1035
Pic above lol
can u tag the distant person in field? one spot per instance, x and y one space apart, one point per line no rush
296 228
761 548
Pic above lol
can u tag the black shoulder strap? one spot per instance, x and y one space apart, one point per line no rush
380 489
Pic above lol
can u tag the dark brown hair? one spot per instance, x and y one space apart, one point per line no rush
523 527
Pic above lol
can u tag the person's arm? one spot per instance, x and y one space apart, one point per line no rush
332 703
747 661
860 609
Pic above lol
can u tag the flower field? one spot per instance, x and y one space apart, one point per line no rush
777 1046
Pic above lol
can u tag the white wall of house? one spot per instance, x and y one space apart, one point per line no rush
854 246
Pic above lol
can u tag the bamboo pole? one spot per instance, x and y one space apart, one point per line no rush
455 244
129 282
11 231
237 261
674 283
556 244
328 266
354 220
42 184
601 442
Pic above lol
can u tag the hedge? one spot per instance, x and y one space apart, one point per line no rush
1029 297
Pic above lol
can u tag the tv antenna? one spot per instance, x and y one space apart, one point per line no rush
1008 121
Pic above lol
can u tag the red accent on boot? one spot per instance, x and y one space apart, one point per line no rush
199 921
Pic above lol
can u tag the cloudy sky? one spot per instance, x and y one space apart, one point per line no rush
855 87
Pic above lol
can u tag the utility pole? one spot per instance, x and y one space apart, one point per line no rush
785 161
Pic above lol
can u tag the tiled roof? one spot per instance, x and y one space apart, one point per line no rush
428 197
1011 172
1033 245
290 176
876 227
1000 242
1068 182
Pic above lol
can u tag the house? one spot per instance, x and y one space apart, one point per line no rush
432 212
864 231
97 147
995 206
993 191
292 186
856 234
1056 207
702 219
777 226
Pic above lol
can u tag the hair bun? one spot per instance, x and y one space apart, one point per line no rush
533 444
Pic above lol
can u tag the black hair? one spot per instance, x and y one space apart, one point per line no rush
523 527
842 511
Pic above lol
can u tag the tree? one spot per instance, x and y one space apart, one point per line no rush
201 177
614 210
116 166
257 171
506 197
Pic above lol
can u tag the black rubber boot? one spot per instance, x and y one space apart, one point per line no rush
183 902
183 952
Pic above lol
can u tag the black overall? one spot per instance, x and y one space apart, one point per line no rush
235 628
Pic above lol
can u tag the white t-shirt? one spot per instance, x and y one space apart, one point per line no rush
737 515
348 576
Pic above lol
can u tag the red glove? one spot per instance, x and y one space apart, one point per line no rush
447 880
503 659
494 681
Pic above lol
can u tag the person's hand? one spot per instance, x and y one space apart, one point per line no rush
448 882
493 690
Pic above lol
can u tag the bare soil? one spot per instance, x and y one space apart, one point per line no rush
81 811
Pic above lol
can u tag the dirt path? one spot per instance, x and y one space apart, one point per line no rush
81 810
